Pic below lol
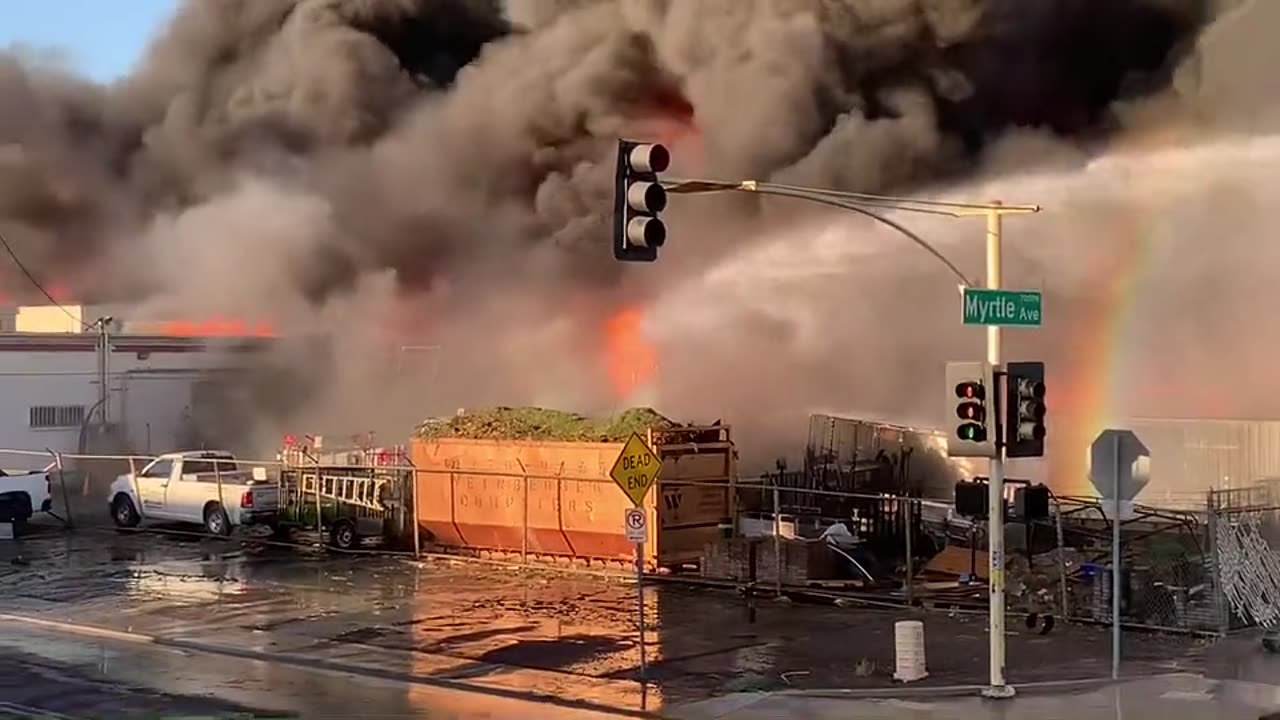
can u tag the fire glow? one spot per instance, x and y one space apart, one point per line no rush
209 327
631 358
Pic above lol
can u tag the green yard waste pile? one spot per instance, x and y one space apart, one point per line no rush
532 423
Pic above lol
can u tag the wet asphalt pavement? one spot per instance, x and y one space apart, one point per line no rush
1177 697
250 628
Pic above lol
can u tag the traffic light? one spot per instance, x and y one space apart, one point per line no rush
970 390
971 498
638 232
1031 502
1025 409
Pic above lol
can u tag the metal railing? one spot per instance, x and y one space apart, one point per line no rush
782 534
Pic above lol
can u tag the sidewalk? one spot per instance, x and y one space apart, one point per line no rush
1184 697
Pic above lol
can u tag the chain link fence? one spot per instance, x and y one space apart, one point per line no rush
1166 567
1245 531
835 527
370 490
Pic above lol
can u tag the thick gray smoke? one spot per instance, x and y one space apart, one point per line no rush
378 174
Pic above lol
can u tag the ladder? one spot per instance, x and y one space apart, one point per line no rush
365 492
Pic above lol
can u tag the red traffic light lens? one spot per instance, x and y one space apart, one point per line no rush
971 411
970 391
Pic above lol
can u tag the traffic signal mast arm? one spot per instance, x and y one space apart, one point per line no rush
862 203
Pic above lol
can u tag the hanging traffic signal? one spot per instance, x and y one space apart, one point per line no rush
638 232
970 387
1024 416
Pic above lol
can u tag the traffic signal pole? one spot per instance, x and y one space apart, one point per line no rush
873 206
995 495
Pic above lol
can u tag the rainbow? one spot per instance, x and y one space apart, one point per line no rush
1104 379
1095 365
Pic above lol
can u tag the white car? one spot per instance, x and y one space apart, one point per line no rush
203 486
22 495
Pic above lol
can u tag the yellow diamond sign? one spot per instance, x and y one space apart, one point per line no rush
637 469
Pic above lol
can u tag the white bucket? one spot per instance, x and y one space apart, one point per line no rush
908 636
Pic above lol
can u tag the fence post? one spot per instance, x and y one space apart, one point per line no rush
217 477
1221 611
62 483
1062 559
414 477
315 462
777 537
910 579
133 480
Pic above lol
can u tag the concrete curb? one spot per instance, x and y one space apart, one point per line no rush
320 664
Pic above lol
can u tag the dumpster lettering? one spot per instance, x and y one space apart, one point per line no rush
672 499
478 501
570 505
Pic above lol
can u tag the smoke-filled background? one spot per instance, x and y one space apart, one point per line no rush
415 194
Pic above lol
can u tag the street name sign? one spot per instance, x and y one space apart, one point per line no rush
636 469
1015 308
1119 464
636 525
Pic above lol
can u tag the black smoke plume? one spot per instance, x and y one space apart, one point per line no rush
440 168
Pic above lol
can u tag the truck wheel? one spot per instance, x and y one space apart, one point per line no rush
123 513
215 521
343 535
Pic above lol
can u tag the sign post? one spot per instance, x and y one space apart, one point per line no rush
636 471
1118 468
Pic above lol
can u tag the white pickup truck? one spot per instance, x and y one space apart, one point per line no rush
203 486
22 495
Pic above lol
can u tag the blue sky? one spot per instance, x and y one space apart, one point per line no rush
101 38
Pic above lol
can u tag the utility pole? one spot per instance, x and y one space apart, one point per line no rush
103 326
995 495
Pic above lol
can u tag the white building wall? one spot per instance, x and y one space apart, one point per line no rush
150 394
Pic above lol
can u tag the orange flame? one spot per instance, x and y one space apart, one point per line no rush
631 357
211 327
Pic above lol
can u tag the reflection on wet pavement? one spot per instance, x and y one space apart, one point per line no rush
496 628
1180 697
263 689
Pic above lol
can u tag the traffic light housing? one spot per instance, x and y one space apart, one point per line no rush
1031 502
971 394
1025 410
638 232
971 498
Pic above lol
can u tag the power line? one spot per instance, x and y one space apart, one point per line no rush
16 261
